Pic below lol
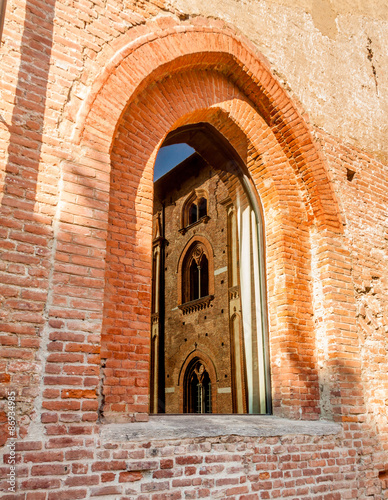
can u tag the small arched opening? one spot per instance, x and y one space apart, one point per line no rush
197 390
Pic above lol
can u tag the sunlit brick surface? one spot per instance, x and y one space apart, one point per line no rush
89 92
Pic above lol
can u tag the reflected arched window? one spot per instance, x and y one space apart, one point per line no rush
195 279
193 213
195 209
198 389
202 207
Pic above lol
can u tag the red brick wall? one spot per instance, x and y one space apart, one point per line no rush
362 189
76 212
303 467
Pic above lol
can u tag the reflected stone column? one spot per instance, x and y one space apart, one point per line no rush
155 317
236 337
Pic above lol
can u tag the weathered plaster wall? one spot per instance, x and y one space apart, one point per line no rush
330 55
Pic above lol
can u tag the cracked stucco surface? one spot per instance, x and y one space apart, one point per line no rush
331 55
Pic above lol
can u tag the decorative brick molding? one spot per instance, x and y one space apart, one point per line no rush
234 293
196 305
203 219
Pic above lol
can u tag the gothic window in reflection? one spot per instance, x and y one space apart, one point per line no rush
210 339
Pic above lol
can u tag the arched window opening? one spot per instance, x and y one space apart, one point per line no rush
212 292
197 390
194 209
198 278
202 207
193 213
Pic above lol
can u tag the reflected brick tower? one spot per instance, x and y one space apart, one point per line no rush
193 297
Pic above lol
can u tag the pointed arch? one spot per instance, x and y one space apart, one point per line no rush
199 74
197 356
194 208
197 248
168 52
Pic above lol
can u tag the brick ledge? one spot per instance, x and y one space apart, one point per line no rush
163 427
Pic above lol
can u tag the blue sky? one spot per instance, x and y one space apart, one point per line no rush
169 157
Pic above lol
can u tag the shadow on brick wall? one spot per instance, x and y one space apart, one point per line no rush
27 233
26 128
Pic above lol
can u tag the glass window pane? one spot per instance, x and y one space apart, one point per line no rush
202 207
193 216
194 281
204 277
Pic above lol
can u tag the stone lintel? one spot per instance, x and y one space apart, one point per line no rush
162 427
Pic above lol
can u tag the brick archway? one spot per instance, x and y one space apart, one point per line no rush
191 75
194 97
141 62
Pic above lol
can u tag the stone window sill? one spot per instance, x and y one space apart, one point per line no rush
167 427
196 305
205 219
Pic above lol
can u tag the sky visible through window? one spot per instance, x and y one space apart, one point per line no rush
169 157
